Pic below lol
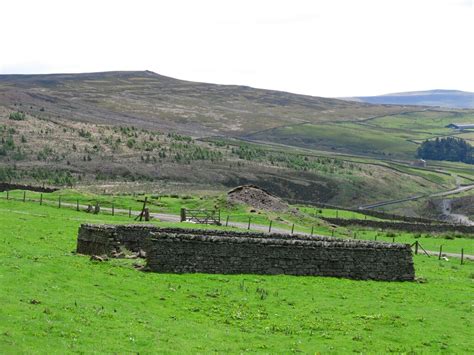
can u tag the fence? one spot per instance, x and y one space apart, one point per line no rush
201 216
93 207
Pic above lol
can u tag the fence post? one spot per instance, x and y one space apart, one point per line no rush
8 195
77 205
183 215
355 235
129 212
248 227
113 209
292 228
24 196
337 213
41 199
270 227
332 232
227 221
312 230
462 256
59 202
416 247
440 251
375 238
393 239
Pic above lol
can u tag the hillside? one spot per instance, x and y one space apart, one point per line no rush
143 131
68 153
152 101
440 98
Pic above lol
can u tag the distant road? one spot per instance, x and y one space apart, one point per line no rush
417 197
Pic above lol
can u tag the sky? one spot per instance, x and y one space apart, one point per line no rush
331 48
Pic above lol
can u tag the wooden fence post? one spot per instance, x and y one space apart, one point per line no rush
416 247
375 238
24 196
248 227
440 251
113 209
270 227
182 215
227 221
312 230
337 214
59 202
41 199
292 228
8 195
129 212
77 205
462 256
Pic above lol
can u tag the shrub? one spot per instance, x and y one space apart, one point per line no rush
17 116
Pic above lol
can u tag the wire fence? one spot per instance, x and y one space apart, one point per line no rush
199 216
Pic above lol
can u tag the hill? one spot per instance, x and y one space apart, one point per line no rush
152 101
154 133
440 98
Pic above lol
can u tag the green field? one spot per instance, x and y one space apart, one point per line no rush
307 220
393 136
54 301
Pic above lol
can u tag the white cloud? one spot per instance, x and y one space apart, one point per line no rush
327 48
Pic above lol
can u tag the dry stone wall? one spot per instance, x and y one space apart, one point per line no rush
175 250
403 226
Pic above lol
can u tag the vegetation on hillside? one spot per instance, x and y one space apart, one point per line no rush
449 148
63 153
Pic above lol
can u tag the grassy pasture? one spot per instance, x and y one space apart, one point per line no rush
394 136
307 221
55 302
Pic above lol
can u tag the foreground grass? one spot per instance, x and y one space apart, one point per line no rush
54 302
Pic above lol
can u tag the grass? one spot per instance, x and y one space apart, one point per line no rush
55 302
450 242
388 136
306 222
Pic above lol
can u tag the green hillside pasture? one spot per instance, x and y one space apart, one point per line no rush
172 204
56 302
335 213
430 122
394 136
347 137
305 221
450 242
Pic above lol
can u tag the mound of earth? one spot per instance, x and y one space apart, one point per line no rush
257 198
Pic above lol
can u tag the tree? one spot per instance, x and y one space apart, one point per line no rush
449 148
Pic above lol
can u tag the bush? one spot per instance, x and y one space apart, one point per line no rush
17 116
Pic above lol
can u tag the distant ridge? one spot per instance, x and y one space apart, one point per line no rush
440 98
148 100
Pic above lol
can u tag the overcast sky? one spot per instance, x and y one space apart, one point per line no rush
324 48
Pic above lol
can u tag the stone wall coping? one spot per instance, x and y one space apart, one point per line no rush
338 243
